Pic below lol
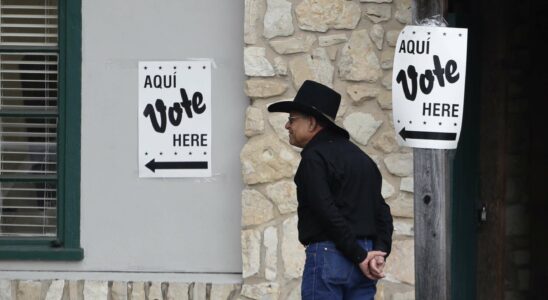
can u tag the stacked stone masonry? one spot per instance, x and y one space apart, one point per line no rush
349 46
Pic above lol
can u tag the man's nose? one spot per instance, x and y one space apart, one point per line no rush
287 125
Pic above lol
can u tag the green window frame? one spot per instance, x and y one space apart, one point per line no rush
66 245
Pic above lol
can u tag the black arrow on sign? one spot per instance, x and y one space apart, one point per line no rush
426 135
153 165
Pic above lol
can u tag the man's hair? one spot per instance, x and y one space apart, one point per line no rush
320 121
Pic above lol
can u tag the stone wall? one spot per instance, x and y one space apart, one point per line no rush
348 45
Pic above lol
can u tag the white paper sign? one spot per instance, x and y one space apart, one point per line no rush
175 119
428 86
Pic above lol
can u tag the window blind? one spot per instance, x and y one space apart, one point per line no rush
28 117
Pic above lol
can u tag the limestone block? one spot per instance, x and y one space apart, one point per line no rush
264 88
76 289
270 242
96 290
293 255
377 35
284 195
29 290
254 122
358 59
400 264
262 291
55 290
376 1
387 59
221 291
256 63
402 206
256 209
316 67
407 184
5 289
267 159
297 44
251 252
378 12
403 11
155 291
295 293
277 121
387 189
387 290
198 291
387 81
280 66
392 37
362 92
385 100
252 15
385 142
137 291
403 227
400 164
333 39
278 20
177 291
361 126
321 15
119 290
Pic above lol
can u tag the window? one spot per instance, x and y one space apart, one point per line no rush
40 61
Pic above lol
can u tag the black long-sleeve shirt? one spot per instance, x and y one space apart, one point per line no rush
339 195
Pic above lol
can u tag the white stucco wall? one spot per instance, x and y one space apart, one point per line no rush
172 226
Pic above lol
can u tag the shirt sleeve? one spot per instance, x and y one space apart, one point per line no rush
383 220
318 198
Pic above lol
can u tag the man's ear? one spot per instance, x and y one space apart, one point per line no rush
312 124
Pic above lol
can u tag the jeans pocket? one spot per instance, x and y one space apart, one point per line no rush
337 268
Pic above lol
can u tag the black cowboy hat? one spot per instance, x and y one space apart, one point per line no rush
314 99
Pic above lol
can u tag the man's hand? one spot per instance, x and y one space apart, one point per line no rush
375 272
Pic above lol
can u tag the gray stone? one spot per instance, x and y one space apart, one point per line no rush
254 122
292 45
5 289
96 290
392 37
198 291
361 126
387 59
29 290
256 209
155 291
399 164
387 189
377 35
387 290
280 66
316 67
332 52
385 100
362 92
403 11
277 121
119 290
295 293
284 194
321 15
385 142
387 81
401 265
251 252
137 291
403 227
256 64
293 255
270 242
406 184
262 291
402 206
221 291
278 20
517 222
177 291
76 289
404 296
253 13
264 88
358 59
330 40
266 159
55 290
378 12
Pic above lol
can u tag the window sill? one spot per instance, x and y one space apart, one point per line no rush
40 253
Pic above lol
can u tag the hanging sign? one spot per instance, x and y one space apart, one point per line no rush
428 86
174 119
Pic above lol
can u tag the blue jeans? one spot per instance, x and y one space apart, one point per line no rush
329 275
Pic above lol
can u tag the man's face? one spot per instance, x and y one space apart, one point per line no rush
299 129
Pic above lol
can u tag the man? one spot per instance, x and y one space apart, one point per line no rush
344 222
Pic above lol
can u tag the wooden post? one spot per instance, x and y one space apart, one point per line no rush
432 202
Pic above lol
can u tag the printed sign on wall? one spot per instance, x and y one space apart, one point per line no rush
175 119
428 86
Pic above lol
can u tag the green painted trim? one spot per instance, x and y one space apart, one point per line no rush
40 253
